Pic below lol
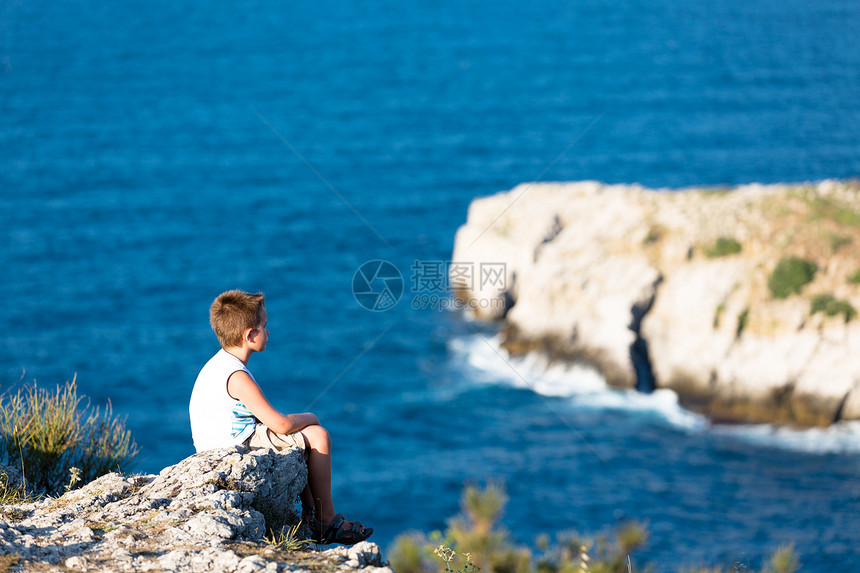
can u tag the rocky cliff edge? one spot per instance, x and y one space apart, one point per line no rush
207 513
674 289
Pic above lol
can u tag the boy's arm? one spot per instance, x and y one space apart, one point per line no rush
243 388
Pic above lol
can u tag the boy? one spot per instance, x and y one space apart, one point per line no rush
228 408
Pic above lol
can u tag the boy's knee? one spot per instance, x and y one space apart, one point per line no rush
317 437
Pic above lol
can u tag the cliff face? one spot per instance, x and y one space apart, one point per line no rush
207 513
683 290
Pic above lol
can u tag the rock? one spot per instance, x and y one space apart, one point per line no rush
364 554
76 562
630 281
209 512
565 293
587 321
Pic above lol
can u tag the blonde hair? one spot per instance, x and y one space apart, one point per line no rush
232 313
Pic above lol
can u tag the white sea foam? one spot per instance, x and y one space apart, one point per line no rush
484 361
843 437
487 362
663 403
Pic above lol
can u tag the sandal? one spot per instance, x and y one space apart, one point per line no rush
337 533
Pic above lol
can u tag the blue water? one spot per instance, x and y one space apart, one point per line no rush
154 154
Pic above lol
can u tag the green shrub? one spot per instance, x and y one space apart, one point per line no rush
46 434
723 247
484 506
475 541
475 532
855 278
790 275
410 554
832 306
604 554
632 536
463 549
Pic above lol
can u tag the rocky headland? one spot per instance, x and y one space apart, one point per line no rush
740 300
210 512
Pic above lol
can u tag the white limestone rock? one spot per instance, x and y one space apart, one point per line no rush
188 518
586 262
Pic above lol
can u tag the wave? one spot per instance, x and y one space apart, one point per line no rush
485 361
482 360
839 438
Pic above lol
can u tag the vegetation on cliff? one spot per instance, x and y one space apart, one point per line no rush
832 306
56 438
723 247
474 541
790 275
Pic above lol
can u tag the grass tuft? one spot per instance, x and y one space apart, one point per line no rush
49 433
11 493
286 540
784 560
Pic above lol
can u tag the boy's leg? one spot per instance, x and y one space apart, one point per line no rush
319 474
319 471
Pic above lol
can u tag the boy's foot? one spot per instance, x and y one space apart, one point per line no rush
336 532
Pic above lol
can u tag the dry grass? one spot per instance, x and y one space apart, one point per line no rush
49 433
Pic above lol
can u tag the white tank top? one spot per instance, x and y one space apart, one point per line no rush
217 419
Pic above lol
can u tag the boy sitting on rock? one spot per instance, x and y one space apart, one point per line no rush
228 408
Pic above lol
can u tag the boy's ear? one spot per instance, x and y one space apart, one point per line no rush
249 334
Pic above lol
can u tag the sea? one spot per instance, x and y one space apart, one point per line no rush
154 154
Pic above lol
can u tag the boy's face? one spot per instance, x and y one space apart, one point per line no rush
261 334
